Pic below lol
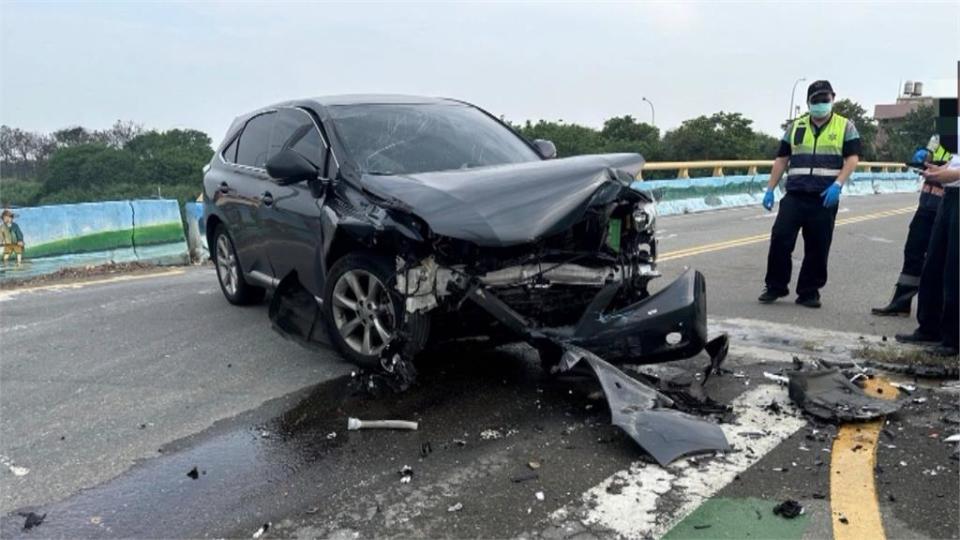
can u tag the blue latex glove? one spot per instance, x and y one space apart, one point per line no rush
768 200
831 195
920 155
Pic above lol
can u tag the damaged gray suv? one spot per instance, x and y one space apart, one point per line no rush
383 224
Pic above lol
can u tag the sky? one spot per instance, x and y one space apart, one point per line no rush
200 64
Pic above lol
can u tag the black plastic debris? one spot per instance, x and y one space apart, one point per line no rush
296 315
717 348
681 386
524 477
32 519
773 407
642 412
788 509
828 395
194 473
426 449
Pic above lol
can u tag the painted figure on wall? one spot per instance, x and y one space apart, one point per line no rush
11 237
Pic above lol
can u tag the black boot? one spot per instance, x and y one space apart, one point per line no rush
899 305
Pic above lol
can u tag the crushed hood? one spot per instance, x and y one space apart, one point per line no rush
508 205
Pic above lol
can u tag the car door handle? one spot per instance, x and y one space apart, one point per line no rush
267 198
224 187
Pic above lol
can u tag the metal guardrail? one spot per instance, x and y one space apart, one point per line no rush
683 167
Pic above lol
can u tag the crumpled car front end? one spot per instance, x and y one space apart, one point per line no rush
571 265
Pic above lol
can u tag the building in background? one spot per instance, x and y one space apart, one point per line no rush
910 100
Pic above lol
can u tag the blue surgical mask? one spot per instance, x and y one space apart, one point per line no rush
820 110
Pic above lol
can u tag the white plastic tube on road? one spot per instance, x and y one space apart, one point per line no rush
353 424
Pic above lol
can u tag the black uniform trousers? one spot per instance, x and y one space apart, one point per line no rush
938 300
800 211
915 249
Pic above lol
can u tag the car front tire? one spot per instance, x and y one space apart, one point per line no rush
363 309
232 283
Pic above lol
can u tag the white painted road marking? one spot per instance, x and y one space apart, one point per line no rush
632 511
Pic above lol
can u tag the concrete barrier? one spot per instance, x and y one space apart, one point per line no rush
196 231
78 235
689 195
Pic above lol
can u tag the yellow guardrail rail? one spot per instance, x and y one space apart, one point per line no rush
717 166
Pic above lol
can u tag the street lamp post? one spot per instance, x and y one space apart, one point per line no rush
792 93
653 113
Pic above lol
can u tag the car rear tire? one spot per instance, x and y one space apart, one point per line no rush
362 308
234 287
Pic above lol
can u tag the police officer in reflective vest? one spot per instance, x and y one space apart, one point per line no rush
915 250
822 150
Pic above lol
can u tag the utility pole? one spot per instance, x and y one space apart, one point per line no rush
792 93
653 113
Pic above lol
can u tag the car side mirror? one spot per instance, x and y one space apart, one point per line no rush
545 148
288 167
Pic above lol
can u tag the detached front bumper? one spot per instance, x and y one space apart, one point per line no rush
669 325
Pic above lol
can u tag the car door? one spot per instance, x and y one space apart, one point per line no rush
249 183
292 219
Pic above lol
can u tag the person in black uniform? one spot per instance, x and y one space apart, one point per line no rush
915 249
938 298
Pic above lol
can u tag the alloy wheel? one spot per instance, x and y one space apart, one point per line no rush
227 265
363 312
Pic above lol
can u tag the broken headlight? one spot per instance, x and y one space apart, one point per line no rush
645 216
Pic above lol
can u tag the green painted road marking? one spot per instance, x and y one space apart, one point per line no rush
738 518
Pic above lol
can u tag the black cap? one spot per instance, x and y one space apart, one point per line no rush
819 87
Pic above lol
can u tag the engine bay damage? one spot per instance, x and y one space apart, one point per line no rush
566 272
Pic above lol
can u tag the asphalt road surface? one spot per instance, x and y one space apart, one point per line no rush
113 390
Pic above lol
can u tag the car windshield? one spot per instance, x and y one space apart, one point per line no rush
416 138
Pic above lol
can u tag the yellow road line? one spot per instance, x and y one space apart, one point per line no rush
756 239
81 284
853 494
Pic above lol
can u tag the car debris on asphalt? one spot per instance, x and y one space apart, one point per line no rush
32 519
644 414
827 394
789 509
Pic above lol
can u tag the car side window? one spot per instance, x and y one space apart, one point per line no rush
230 152
252 148
294 129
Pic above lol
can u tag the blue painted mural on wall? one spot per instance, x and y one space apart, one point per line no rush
77 235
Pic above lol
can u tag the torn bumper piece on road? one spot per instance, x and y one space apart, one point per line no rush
669 325
828 395
666 434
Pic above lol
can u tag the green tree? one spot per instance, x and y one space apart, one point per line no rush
624 134
570 139
88 167
902 136
170 162
719 136
866 125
